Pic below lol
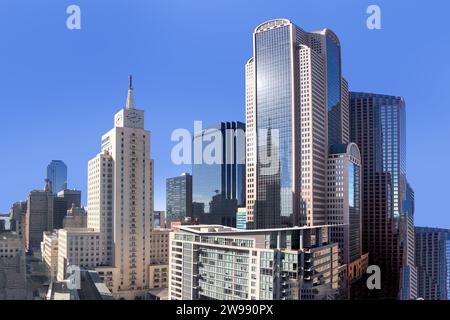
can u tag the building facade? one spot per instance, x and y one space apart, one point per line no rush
433 263
296 105
223 263
80 248
120 201
219 183
13 273
39 216
49 252
378 126
179 198
57 174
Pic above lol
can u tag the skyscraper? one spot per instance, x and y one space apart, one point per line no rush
178 198
378 126
296 106
219 186
433 263
120 200
344 207
57 174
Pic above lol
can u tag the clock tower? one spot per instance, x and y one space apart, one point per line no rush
125 216
130 117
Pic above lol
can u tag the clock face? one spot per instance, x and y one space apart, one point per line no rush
119 119
134 117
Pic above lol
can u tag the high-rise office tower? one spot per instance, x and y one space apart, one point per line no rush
296 106
178 198
219 184
120 200
433 263
378 126
57 174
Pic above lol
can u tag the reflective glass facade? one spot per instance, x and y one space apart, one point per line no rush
219 188
57 174
178 198
354 200
275 199
378 126
334 91
433 263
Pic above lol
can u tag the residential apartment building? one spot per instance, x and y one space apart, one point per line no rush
223 263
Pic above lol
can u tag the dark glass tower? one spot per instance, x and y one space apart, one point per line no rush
57 174
433 263
219 187
378 126
178 198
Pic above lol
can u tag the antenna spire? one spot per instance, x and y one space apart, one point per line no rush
130 97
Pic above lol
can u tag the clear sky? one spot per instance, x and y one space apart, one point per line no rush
60 88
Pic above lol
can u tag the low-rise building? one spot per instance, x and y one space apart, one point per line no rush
78 247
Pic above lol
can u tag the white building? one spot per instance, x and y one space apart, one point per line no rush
78 247
49 252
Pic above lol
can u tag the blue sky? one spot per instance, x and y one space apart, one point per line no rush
60 89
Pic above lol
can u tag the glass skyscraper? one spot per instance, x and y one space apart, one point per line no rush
296 107
378 126
57 174
433 263
178 198
219 187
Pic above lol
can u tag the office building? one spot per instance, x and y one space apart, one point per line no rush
296 106
222 263
241 218
57 174
159 219
433 263
219 183
76 218
49 252
17 217
344 210
378 126
13 274
39 216
62 202
179 198
79 247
